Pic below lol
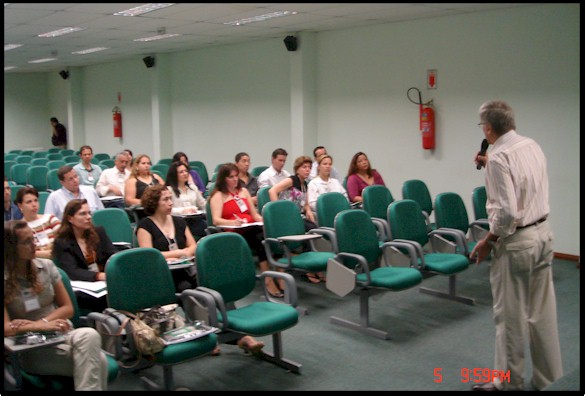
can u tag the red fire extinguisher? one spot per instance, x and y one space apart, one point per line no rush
117 117
427 121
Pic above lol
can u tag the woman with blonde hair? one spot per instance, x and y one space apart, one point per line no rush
140 178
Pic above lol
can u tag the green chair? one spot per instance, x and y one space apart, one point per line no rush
24 159
360 264
109 163
18 173
8 168
410 236
201 169
101 156
162 168
40 154
479 200
328 206
451 218
55 164
14 190
15 151
54 156
43 195
117 225
10 156
283 218
138 279
53 182
71 158
36 176
263 198
164 161
68 152
39 161
53 150
257 170
34 382
376 199
27 152
225 293
418 191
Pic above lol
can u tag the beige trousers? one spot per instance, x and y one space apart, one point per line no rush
80 357
524 307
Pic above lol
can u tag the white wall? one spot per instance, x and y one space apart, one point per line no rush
344 89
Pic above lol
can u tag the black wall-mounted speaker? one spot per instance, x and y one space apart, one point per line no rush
149 61
291 43
64 74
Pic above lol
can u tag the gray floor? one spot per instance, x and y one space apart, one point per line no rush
430 336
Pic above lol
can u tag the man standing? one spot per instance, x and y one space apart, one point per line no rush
275 172
71 189
520 274
317 152
110 186
88 173
59 137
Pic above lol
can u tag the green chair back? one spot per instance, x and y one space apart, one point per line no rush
18 173
165 161
357 234
40 154
53 150
39 161
54 156
479 200
263 198
282 218
376 199
43 195
109 163
139 278
450 212
67 152
328 206
407 221
14 190
116 223
55 164
418 191
257 170
36 176
71 158
53 182
24 159
162 168
235 278
201 169
102 156
8 164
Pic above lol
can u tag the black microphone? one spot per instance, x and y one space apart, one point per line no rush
482 151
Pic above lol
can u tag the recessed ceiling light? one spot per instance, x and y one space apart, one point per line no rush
157 37
143 9
260 18
9 67
90 50
8 47
42 60
61 32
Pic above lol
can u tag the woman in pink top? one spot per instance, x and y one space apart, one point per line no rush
360 175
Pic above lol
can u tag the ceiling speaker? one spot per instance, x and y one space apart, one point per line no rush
291 43
64 74
149 61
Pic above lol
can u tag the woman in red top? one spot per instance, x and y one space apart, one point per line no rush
360 175
231 206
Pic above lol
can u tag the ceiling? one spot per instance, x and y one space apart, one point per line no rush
200 25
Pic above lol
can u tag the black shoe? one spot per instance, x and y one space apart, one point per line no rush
485 387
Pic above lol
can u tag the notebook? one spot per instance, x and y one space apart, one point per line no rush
187 333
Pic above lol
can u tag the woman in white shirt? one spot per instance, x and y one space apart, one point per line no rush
187 199
323 183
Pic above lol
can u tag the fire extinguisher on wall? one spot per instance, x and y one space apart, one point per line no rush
117 118
427 121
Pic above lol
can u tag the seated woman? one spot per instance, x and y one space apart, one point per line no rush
44 227
246 179
46 306
360 175
82 250
167 233
231 205
187 200
323 182
294 188
140 178
193 174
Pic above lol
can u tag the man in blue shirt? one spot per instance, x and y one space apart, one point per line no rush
11 211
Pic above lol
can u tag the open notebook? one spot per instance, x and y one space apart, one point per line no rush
187 333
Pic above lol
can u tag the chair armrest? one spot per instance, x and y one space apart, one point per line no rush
457 235
109 327
344 257
414 251
270 255
200 305
213 305
327 233
383 229
290 292
478 230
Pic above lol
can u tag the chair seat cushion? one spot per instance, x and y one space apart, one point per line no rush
446 263
393 278
177 353
263 318
310 261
